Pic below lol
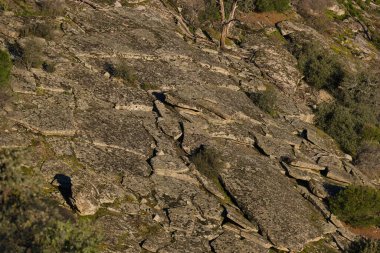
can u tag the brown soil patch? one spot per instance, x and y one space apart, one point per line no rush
371 232
264 19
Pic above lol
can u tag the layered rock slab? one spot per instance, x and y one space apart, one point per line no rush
268 198
116 129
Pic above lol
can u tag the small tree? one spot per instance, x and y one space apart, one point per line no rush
226 23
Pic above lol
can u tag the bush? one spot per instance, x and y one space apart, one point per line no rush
42 30
349 122
270 5
338 121
30 222
122 70
265 100
364 246
32 54
319 68
5 67
48 67
211 12
207 162
357 205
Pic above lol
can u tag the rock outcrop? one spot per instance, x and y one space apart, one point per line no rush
127 144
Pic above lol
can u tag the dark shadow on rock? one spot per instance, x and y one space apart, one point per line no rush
65 188
332 189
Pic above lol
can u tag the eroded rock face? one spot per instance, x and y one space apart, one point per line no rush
268 198
127 145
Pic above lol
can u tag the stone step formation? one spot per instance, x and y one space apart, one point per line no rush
258 184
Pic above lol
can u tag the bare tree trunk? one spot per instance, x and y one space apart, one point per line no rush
226 24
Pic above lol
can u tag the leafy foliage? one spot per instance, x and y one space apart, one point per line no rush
5 67
357 205
320 69
210 13
338 121
353 119
31 222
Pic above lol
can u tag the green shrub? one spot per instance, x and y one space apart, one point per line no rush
357 205
370 133
207 162
364 246
210 13
3 6
270 5
31 222
338 121
122 70
5 67
319 68
265 100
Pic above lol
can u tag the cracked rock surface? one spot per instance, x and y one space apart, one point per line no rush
128 149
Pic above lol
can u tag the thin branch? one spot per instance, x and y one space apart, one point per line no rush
222 10
234 8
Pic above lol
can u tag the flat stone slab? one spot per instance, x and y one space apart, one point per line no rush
273 147
306 165
13 136
110 161
115 129
340 175
229 242
48 114
331 162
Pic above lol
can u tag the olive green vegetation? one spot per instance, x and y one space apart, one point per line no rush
348 126
320 246
352 119
122 70
270 5
265 100
364 246
320 69
5 67
357 205
210 13
207 161
31 222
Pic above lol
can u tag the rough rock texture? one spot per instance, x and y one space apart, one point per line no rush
127 145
